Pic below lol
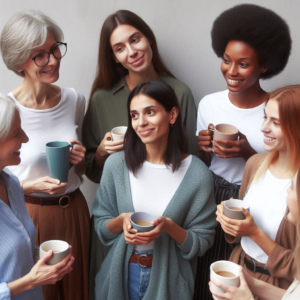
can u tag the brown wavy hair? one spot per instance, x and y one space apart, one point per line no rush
108 71
297 248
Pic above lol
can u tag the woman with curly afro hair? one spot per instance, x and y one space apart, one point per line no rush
254 43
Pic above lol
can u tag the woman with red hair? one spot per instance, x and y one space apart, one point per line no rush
267 239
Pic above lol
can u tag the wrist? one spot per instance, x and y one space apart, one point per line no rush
256 234
101 151
167 225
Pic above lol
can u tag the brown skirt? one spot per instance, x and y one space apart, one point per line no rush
71 224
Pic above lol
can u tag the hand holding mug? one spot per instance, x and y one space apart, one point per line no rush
108 146
205 138
231 292
77 152
239 148
129 232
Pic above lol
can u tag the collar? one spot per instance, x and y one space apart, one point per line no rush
121 84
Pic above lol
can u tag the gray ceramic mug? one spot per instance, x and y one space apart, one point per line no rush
58 154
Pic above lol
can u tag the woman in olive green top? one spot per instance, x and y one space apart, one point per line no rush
128 55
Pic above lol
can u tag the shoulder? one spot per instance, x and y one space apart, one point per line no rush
70 94
178 86
254 161
115 161
13 179
200 172
213 99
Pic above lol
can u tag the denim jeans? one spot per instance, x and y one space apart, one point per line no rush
138 278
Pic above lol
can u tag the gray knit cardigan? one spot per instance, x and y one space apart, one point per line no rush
192 207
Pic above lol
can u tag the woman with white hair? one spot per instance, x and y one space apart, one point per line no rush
32 46
20 277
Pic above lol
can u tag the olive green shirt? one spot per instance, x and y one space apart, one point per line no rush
108 109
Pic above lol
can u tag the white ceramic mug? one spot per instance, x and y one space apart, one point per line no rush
60 251
235 214
225 266
118 133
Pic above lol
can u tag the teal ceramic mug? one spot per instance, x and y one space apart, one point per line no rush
58 154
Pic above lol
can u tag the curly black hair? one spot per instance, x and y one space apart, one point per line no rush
258 27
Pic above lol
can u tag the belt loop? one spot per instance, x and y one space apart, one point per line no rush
254 269
41 201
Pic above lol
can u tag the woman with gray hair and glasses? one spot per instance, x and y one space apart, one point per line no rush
32 46
20 277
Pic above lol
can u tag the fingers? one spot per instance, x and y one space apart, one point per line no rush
49 180
77 154
110 149
45 258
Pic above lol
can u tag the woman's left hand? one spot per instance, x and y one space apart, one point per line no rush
237 228
239 148
77 152
231 293
147 237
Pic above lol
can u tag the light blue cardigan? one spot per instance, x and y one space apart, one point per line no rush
192 207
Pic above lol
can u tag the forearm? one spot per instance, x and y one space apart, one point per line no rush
205 157
28 187
176 232
116 225
249 153
80 168
266 291
263 241
20 285
100 158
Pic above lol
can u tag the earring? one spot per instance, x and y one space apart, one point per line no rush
171 125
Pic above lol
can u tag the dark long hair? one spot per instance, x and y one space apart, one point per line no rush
108 71
135 149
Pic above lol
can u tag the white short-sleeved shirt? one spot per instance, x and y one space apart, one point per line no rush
60 123
153 187
217 109
267 201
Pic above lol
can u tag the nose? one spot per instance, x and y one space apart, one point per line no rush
265 126
25 138
142 120
52 60
233 70
131 51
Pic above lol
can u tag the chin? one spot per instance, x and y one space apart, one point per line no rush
290 218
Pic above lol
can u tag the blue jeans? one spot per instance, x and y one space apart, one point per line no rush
138 278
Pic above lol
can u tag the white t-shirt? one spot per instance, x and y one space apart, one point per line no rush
293 292
267 200
60 123
217 109
153 187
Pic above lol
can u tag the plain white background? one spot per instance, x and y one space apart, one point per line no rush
182 29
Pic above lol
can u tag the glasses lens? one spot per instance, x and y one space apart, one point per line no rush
41 59
59 51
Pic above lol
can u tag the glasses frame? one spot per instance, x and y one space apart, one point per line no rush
49 53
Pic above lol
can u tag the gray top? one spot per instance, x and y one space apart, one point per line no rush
192 207
108 109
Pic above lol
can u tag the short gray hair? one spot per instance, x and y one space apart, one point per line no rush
24 32
8 108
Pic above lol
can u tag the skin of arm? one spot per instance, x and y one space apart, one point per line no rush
245 227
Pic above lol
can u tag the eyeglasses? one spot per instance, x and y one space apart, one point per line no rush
58 51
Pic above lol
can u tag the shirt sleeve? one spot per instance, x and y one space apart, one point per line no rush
91 138
201 225
105 205
80 114
200 119
189 115
4 291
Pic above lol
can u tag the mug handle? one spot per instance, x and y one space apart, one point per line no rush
213 130
71 146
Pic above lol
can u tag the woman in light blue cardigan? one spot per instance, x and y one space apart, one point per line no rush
153 174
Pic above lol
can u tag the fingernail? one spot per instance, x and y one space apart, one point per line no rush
108 138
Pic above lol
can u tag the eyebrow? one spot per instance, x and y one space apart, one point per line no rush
272 118
130 37
44 50
242 58
145 108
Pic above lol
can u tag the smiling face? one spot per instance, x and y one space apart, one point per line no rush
10 146
274 140
292 202
150 120
131 48
240 66
48 73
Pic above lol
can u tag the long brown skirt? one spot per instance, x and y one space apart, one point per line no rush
71 224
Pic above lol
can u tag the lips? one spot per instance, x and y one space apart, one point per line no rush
234 81
145 132
50 71
268 139
138 61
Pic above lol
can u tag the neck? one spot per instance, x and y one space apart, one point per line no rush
134 78
155 152
251 97
282 169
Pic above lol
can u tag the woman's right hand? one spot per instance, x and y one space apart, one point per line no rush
42 274
46 185
129 232
204 139
108 146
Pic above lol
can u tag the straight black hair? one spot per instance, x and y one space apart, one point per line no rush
135 149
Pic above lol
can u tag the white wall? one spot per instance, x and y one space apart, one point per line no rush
182 28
